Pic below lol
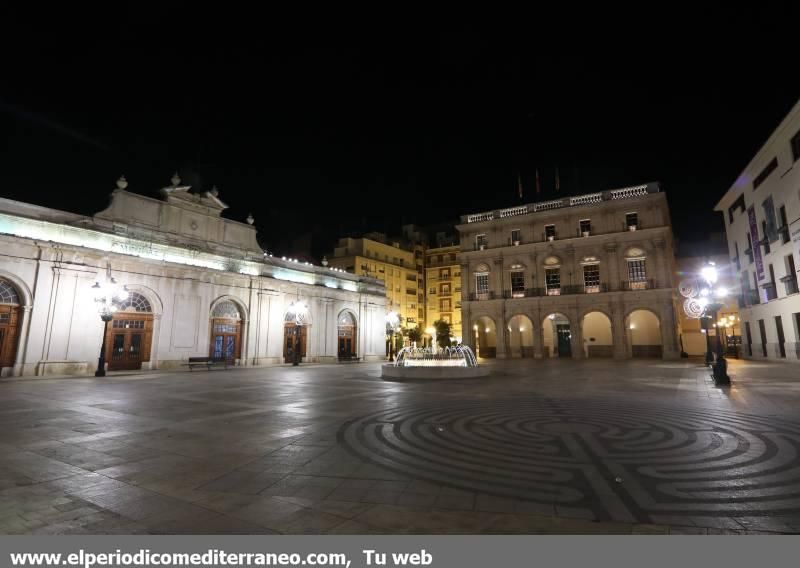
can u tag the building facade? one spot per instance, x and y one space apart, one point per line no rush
443 287
399 268
762 224
585 276
189 283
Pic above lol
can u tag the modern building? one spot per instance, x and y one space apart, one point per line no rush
397 263
186 283
443 287
762 223
583 276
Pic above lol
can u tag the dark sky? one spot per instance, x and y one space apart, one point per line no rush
349 130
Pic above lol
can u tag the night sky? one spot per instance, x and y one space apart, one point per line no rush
331 134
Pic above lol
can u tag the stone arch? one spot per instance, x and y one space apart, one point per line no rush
598 333
643 332
156 305
347 334
556 335
228 318
520 335
24 293
12 313
484 330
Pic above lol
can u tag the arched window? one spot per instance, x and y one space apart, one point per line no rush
135 302
8 294
226 309
517 281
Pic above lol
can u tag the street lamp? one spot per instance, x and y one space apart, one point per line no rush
105 297
299 310
711 300
392 320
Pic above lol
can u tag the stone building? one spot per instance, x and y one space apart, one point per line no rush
189 283
584 276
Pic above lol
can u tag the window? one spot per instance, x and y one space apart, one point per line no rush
444 305
637 274
550 232
790 280
771 167
784 228
444 289
765 240
770 287
482 284
738 204
736 258
552 281
796 146
517 283
749 251
481 242
586 227
444 275
516 237
632 221
591 278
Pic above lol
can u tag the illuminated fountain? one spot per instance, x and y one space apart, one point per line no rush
458 362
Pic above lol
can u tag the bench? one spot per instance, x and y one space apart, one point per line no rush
208 362
349 359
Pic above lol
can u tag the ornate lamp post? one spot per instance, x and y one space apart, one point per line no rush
105 296
711 300
392 321
299 310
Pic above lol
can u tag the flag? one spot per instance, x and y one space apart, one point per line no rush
538 186
558 181
519 184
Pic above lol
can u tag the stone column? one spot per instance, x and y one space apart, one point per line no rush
576 335
502 335
669 335
618 335
498 286
613 277
538 335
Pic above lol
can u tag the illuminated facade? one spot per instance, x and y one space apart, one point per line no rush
196 284
443 287
762 223
583 276
400 269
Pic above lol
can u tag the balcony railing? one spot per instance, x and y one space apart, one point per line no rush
478 296
645 284
749 298
790 284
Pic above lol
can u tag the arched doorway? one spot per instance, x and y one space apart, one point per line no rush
644 334
295 333
485 337
131 334
557 336
226 331
10 320
597 337
520 336
347 336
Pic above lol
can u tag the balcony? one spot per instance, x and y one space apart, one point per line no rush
632 285
477 297
790 284
748 298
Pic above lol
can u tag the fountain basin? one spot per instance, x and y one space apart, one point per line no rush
390 371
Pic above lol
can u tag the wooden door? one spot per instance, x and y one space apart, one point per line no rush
294 337
347 336
9 332
128 341
226 339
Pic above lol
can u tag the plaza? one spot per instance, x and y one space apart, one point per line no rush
540 446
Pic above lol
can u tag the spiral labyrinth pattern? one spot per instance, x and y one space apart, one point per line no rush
621 462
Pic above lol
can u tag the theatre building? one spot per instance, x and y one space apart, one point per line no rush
186 282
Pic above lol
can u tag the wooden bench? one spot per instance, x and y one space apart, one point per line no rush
208 362
349 359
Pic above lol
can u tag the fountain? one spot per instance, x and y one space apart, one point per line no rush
457 362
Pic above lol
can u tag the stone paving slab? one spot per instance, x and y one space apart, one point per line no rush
634 447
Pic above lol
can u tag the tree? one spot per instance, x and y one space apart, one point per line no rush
442 333
414 335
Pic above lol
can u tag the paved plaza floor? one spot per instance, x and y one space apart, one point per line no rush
538 447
